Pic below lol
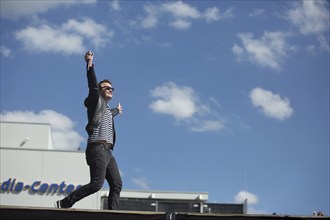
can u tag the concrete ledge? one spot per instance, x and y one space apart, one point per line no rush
195 216
33 213
30 213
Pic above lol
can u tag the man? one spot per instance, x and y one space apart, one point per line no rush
101 141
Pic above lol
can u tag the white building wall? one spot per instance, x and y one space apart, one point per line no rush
28 167
25 135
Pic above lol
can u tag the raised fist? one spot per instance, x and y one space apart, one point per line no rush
89 55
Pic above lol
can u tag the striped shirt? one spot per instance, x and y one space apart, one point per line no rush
104 132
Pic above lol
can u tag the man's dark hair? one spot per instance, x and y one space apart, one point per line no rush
104 81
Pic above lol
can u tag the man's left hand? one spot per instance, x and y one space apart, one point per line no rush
120 108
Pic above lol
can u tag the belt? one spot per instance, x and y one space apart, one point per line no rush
102 144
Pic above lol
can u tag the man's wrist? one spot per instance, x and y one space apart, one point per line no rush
89 64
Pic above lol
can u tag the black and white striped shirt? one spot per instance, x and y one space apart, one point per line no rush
104 132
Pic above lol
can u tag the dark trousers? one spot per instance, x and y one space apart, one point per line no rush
102 166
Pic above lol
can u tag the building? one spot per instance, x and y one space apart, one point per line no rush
34 174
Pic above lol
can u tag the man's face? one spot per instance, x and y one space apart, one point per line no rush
106 91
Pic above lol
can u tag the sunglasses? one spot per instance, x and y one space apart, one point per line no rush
108 88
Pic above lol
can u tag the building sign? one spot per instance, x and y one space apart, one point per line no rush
37 187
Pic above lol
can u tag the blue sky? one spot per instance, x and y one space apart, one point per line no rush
225 97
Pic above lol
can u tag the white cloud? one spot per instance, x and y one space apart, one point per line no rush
98 34
238 51
272 105
179 14
68 38
152 19
141 182
183 104
174 100
180 24
215 102
115 5
213 14
252 199
46 39
310 17
310 49
63 134
4 51
243 195
324 43
181 10
269 51
257 12
18 9
209 125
